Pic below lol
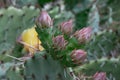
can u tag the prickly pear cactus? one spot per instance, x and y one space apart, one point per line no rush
12 22
110 66
43 67
63 48
11 71
14 73
4 67
104 44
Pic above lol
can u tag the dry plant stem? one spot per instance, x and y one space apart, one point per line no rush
22 59
27 45
73 75
14 57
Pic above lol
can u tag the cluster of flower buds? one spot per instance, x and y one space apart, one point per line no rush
83 35
67 27
59 42
99 76
44 20
78 56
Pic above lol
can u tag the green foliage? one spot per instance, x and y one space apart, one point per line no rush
4 67
43 2
21 3
60 16
110 66
43 67
81 19
14 74
69 5
18 20
104 44
12 22
52 64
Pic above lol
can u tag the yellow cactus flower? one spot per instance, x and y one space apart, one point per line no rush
31 41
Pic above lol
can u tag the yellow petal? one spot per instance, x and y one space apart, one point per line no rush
41 48
30 37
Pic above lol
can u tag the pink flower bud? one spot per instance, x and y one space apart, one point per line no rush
99 76
67 27
78 56
44 20
83 35
59 42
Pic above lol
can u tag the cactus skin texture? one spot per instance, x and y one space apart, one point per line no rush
37 67
12 22
11 71
54 62
14 74
104 44
110 66
43 67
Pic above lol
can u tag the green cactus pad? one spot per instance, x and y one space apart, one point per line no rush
102 45
13 74
43 67
4 67
110 66
12 22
